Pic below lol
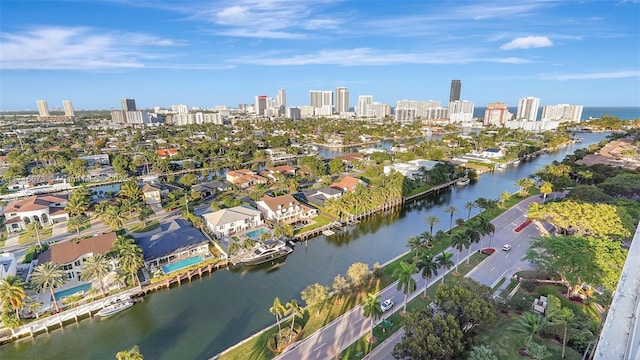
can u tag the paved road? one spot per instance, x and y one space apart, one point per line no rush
329 341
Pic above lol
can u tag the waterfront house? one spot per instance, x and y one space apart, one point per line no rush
211 187
176 241
230 221
46 209
71 255
493 153
285 209
151 193
100 174
34 181
102 159
410 169
167 153
318 196
348 183
244 178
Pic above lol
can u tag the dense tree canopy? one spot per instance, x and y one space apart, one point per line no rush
578 260
469 308
599 220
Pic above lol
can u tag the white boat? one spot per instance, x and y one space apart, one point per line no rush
464 181
115 307
265 251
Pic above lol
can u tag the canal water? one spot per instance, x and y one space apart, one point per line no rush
202 318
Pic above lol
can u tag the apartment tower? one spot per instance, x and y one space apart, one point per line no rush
454 93
68 108
528 108
342 100
128 104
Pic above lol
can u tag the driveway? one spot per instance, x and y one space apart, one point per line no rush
59 229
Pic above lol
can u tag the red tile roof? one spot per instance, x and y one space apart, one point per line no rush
66 252
348 183
31 203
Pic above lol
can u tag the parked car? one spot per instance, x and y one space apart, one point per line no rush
506 247
386 305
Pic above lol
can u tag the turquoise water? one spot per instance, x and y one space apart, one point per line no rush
73 290
256 233
182 264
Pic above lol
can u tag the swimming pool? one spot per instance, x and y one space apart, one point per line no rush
182 264
255 234
71 291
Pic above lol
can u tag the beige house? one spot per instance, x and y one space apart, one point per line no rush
46 209
151 194
231 221
285 209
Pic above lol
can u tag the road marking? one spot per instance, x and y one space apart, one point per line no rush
518 245
321 345
507 256
357 321
493 268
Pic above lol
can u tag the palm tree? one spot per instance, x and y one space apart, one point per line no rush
76 205
131 190
295 309
485 227
114 217
566 317
278 310
451 210
529 324
469 205
131 354
372 310
406 283
428 267
35 226
445 261
35 308
474 235
48 276
145 213
76 222
131 259
12 293
96 267
524 184
431 220
426 238
415 244
546 188
459 241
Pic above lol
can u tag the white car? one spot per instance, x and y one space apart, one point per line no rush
386 305
506 247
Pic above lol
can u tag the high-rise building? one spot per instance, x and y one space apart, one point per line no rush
315 98
128 104
260 105
461 111
68 108
454 93
528 108
180 109
342 100
562 113
281 99
497 114
364 102
43 108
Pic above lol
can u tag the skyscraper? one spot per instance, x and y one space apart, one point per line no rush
562 113
456 87
363 105
315 98
461 111
281 99
68 108
528 108
261 105
128 104
342 100
43 109
497 113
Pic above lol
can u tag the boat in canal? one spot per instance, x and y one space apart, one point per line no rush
464 181
115 307
265 251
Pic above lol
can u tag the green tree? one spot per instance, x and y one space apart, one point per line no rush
538 352
188 179
372 310
340 287
524 184
358 274
285 230
451 210
469 205
114 217
415 245
445 261
131 190
48 276
12 292
406 283
530 325
314 296
131 259
504 197
566 318
76 222
34 228
428 267
336 166
460 241
77 205
295 309
465 302
429 336
96 267
131 354
145 213
546 188
278 310
482 352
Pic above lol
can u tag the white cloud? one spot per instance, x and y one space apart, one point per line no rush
373 57
77 48
592 76
527 42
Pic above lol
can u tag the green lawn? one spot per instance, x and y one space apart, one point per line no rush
506 343
140 228
319 221
28 237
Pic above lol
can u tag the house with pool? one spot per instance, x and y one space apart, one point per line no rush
177 245
285 209
227 222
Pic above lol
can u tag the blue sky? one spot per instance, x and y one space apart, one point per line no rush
206 53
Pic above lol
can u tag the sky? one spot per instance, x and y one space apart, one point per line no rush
208 53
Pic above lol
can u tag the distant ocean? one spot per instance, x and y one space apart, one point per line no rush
626 113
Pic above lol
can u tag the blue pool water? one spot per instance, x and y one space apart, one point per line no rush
256 233
182 264
73 290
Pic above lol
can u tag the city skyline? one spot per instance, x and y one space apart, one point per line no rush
228 52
